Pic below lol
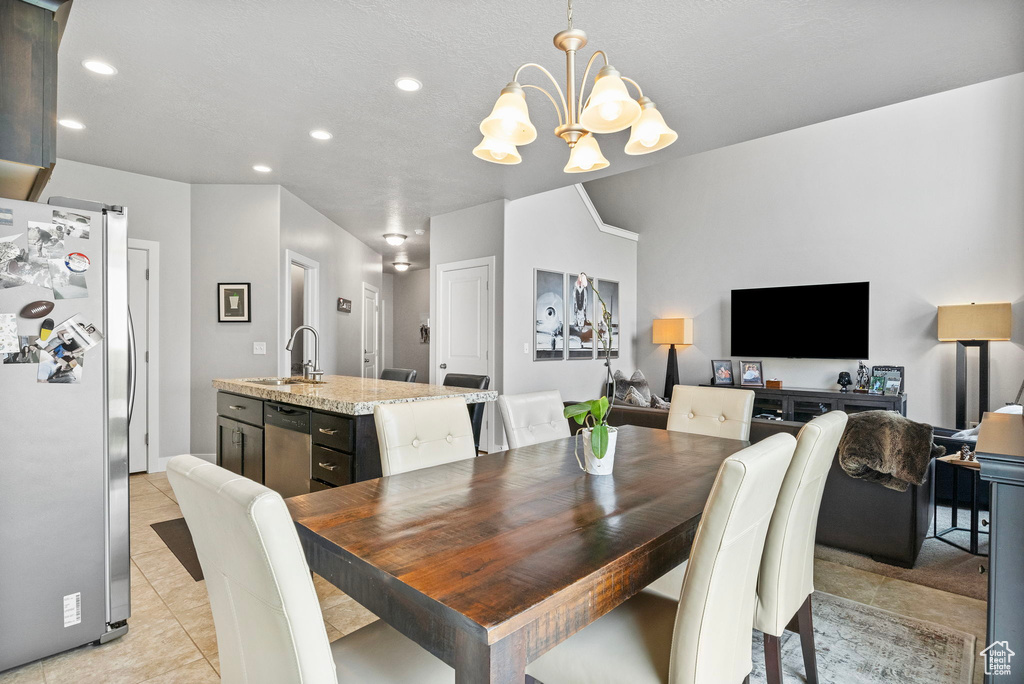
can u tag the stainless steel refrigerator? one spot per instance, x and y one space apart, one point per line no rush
65 403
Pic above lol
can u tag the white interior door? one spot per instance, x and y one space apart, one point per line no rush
464 327
138 304
371 331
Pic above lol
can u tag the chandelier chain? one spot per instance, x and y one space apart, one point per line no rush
568 14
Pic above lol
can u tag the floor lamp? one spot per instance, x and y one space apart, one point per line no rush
973 325
672 331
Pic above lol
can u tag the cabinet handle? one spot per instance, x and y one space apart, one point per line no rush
328 466
328 431
236 407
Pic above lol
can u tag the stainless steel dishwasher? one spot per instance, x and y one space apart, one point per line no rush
287 449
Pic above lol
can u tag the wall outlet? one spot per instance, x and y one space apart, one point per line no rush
259 347
526 347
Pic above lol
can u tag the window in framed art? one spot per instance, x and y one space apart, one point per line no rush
549 306
609 292
580 316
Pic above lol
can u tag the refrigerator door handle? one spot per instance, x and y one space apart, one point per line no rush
132 364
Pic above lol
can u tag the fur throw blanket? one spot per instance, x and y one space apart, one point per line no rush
885 447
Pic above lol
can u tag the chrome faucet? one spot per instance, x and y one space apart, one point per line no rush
309 372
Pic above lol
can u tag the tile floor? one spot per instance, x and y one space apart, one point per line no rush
171 638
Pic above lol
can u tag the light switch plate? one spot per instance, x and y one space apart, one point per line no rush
259 347
526 347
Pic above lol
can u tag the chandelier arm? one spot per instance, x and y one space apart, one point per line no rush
550 97
635 85
583 83
551 78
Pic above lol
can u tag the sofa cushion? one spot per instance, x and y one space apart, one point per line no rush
637 380
634 398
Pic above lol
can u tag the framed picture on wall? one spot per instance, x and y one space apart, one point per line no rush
580 316
609 292
549 319
233 304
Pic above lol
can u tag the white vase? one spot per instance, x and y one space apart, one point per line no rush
591 463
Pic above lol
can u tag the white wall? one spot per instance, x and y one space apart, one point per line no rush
158 210
555 231
412 301
236 237
387 297
923 198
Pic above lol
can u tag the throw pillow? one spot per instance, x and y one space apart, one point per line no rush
659 403
637 381
634 398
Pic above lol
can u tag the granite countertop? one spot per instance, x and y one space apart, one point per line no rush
350 395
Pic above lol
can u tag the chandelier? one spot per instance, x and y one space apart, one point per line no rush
608 109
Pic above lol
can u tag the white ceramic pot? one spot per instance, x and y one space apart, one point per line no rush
591 463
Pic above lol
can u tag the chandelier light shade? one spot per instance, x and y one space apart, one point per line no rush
610 108
585 156
494 150
650 133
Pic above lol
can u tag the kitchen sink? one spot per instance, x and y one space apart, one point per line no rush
277 382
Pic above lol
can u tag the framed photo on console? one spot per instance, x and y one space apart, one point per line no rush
894 378
721 373
751 374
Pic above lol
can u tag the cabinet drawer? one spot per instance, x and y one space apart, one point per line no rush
318 486
237 407
332 431
330 466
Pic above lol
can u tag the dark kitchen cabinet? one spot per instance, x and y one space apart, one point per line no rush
240 448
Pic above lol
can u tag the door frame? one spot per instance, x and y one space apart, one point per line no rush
437 334
379 332
154 462
311 302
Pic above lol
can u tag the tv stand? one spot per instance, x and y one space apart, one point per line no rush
801 404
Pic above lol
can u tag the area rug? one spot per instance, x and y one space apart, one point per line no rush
859 644
939 565
179 540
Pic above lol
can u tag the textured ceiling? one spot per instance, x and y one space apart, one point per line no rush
207 88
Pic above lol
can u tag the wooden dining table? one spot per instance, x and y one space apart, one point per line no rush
489 562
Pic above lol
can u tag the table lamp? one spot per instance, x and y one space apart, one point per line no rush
973 325
672 331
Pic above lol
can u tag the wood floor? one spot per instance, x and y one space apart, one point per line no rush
171 637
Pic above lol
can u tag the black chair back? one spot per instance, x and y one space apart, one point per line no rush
399 374
476 411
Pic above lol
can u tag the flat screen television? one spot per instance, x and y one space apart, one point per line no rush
804 322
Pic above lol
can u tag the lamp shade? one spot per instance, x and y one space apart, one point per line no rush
610 108
494 150
650 133
673 331
509 121
975 322
585 156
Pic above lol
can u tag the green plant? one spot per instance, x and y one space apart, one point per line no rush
593 415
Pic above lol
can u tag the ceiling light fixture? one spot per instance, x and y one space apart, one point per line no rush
98 67
72 124
420 231
608 109
401 265
262 168
395 239
408 84
320 135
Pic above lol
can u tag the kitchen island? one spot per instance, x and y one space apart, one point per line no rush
298 436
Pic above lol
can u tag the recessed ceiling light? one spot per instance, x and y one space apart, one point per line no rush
262 168
320 135
395 238
99 67
420 231
408 84
71 123
401 266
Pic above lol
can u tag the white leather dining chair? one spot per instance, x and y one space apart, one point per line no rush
714 411
533 417
265 609
705 636
786 581
420 434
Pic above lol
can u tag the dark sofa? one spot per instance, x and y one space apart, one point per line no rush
855 515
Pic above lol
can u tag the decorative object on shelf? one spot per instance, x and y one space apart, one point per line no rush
344 305
598 436
672 331
862 377
580 314
721 372
965 453
893 375
751 374
608 109
973 325
233 305
608 325
876 384
549 305
844 381
773 383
